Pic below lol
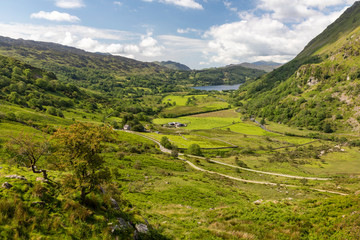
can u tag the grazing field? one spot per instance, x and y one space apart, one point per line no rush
192 104
181 100
249 129
184 141
230 113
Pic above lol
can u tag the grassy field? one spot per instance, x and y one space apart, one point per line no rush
184 141
181 100
202 103
183 203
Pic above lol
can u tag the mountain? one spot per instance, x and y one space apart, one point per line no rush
115 75
261 65
319 89
173 65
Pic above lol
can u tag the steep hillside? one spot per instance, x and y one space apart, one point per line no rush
224 75
318 89
173 65
262 65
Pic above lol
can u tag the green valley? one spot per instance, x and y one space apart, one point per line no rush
96 146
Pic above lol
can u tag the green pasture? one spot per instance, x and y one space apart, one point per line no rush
203 103
184 141
249 129
196 123
181 100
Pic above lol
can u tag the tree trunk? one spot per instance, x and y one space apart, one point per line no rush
83 194
45 174
33 167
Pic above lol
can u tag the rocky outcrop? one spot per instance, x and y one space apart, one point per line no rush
16 177
6 185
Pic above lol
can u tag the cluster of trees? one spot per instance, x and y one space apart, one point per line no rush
134 121
300 155
76 150
30 87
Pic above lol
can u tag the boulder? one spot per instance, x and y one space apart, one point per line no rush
41 179
6 185
16 177
114 204
123 225
142 228
258 202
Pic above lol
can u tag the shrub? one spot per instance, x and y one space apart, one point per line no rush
194 149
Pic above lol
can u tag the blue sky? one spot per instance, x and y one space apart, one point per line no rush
198 33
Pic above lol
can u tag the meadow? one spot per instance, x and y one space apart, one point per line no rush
191 104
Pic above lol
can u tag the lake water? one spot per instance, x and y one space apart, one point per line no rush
218 87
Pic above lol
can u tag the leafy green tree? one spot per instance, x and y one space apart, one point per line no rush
194 149
262 122
327 128
79 148
27 150
52 111
166 143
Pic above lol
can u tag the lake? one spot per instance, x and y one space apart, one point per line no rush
218 87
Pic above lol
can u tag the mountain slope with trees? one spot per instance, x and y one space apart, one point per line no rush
115 75
319 88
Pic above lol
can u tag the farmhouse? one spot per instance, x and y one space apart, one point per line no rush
127 127
175 124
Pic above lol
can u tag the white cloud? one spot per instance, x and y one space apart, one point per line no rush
229 6
55 16
117 3
298 10
279 33
90 39
150 47
69 3
187 30
181 3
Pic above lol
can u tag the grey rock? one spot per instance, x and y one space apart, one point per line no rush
115 228
258 202
123 224
6 185
41 179
16 177
114 204
142 228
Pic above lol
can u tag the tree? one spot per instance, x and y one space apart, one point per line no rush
79 148
25 149
166 143
327 128
262 122
194 149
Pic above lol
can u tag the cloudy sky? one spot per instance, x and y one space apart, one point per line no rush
198 33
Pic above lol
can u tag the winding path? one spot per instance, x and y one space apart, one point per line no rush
165 150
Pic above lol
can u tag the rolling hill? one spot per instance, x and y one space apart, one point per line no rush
115 75
262 65
173 65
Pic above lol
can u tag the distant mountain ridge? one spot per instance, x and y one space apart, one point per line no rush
262 65
108 73
173 65
20 48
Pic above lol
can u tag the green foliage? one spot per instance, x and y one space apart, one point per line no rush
166 143
305 91
194 149
27 150
79 148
